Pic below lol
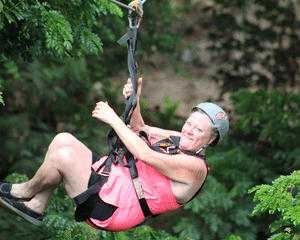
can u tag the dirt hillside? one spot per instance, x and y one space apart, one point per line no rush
160 80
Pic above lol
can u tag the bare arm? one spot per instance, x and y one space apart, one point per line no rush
137 123
179 168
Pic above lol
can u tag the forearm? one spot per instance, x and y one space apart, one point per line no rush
137 122
177 167
141 150
128 136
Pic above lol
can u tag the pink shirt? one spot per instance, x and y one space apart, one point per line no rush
119 191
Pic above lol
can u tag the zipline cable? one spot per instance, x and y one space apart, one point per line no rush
122 5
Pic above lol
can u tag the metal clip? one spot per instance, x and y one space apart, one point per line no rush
105 173
172 149
138 6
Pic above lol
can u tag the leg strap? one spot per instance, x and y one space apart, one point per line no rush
82 197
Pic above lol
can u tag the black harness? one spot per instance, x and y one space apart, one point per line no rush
165 146
117 148
171 146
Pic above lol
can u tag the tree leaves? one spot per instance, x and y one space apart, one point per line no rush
283 197
52 27
254 42
270 116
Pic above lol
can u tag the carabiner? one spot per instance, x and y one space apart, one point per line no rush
138 6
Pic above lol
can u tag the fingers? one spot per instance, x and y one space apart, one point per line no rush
128 87
101 103
127 91
98 107
140 81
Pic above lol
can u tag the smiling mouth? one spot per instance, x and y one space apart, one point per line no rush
188 138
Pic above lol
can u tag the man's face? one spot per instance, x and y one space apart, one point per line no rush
196 132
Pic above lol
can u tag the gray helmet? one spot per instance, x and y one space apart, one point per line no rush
217 115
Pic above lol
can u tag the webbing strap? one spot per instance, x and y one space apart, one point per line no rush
81 198
131 38
142 200
171 146
117 148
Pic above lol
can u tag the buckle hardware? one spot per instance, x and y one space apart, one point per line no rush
170 148
105 173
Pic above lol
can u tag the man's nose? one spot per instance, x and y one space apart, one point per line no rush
190 130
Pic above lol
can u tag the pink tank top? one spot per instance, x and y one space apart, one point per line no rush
119 191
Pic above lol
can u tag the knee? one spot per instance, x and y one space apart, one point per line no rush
61 140
64 156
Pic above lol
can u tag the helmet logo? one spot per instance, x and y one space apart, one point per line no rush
221 115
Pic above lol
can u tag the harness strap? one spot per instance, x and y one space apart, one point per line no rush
117 148
104 175
82 197
171 146
142 200
137 185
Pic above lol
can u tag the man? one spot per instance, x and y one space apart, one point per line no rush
167 180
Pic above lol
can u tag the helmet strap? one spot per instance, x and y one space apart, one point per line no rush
202 148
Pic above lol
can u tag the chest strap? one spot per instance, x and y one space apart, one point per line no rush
171 146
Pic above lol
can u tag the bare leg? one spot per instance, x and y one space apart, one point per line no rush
68 161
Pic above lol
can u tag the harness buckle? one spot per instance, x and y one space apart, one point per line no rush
172 149
105 173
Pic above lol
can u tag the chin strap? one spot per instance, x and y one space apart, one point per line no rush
202 148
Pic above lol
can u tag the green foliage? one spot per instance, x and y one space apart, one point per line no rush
159 31
223 207
282 196
167 118
59 223
37 110
254 42
56 28
271 116
16 178
1 99
233 237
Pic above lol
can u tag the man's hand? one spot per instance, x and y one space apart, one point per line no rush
128 88
104 113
